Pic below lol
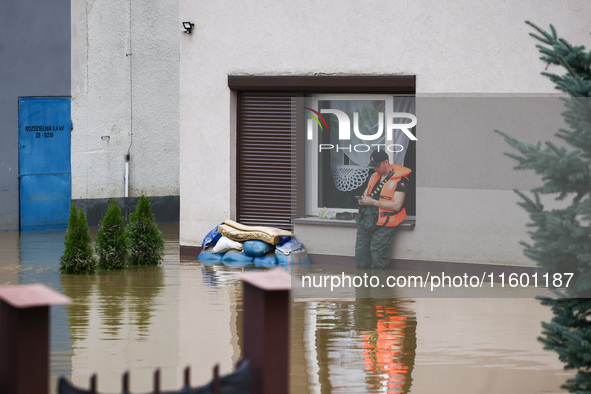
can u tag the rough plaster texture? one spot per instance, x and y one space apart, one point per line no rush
35 61
125 97
459 225
466 225
458 148
452 47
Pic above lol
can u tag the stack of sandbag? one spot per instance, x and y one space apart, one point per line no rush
235 244
291 252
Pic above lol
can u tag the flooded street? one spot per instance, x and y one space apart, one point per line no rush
187 313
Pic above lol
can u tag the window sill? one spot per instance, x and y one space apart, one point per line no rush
407 224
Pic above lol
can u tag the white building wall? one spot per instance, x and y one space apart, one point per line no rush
452 47
125 98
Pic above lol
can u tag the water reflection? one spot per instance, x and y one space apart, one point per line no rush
10 261
39 252
187 313
364 345
122 298
79 288
389 343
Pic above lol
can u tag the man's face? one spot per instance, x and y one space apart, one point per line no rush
381 168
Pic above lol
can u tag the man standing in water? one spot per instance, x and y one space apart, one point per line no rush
381 211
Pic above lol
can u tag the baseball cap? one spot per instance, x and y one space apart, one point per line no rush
377 156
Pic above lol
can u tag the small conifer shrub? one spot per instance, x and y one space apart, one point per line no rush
111 242
146 241
77 257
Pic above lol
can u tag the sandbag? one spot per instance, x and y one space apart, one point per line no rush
289 244
208 255
268 260
239 232
255 248
234 257
225 244
299 257
211 238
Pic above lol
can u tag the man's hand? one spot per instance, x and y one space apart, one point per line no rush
395 205
364 200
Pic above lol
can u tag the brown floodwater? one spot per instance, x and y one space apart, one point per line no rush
186 313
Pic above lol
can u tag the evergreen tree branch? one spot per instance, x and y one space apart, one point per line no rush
566 65
561 238
542 32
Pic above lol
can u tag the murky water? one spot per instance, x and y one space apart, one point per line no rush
186 313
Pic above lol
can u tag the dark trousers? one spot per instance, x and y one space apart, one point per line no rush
372 247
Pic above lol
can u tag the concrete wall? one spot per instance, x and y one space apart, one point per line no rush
125 98
465 211
466 207
35 53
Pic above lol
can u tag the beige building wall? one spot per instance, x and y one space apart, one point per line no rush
125 98
466 209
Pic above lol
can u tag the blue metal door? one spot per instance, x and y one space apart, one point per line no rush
44 161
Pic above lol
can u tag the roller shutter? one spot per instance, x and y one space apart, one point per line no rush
267 158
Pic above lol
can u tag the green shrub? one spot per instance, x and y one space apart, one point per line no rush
77 257
146 241
111 241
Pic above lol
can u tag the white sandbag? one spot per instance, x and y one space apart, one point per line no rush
224 244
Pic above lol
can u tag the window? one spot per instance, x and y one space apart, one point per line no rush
274 186
337 169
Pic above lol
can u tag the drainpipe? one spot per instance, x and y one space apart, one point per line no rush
126 178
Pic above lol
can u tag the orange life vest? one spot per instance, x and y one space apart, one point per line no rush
386 217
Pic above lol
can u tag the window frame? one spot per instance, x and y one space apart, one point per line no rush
395 85
311 146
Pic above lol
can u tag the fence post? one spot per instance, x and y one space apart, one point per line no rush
24 337
266 329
